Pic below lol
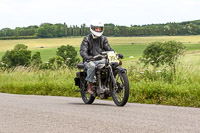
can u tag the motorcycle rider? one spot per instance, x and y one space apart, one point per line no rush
91 46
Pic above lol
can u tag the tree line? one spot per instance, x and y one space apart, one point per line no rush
48 30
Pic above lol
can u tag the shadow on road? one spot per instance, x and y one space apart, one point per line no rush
94 104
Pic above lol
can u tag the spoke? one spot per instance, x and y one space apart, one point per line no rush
120 95
119 98
122 80
87 95
122 98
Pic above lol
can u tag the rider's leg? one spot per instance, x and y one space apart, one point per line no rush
90 75
91 72
91 69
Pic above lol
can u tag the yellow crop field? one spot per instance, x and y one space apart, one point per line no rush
195 39
76 41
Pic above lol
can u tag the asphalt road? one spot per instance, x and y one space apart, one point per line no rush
52 114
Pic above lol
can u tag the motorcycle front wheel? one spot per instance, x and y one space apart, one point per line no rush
87 98
120 93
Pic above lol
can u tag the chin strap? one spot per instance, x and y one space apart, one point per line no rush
94 37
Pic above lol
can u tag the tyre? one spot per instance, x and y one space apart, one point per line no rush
120 93
87 98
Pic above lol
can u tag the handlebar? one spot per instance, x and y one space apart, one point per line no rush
104 55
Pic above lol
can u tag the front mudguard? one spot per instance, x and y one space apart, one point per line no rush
120 69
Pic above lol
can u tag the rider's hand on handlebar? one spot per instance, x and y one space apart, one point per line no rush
97 57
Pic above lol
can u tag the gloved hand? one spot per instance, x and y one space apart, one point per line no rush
120 56
97 57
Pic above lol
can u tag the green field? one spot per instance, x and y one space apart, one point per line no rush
127 50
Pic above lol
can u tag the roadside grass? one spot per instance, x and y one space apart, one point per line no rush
165 87
32 81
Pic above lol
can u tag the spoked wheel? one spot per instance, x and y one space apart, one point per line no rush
120 93
87 98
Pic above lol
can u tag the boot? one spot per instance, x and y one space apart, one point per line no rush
90 88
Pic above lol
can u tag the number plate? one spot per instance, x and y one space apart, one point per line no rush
112 57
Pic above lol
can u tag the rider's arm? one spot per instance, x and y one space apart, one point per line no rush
106 45
84 49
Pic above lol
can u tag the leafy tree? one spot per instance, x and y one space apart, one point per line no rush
36 59
7 32
152 54
116 31
59 30
58 60
69 54
19 56
158 53
46 31
3 66
83 30
20 47
54 63
109 29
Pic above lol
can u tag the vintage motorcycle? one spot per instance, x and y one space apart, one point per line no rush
110 80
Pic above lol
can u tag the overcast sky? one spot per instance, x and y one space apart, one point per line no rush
22 13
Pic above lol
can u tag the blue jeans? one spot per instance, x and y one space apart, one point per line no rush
90 66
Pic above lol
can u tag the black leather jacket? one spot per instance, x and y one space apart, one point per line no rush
91 47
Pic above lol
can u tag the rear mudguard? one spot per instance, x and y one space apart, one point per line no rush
77 81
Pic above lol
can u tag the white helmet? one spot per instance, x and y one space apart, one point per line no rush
97 28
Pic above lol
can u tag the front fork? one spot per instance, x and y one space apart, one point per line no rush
112 77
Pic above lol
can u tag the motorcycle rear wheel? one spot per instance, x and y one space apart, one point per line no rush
120 94
87 98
